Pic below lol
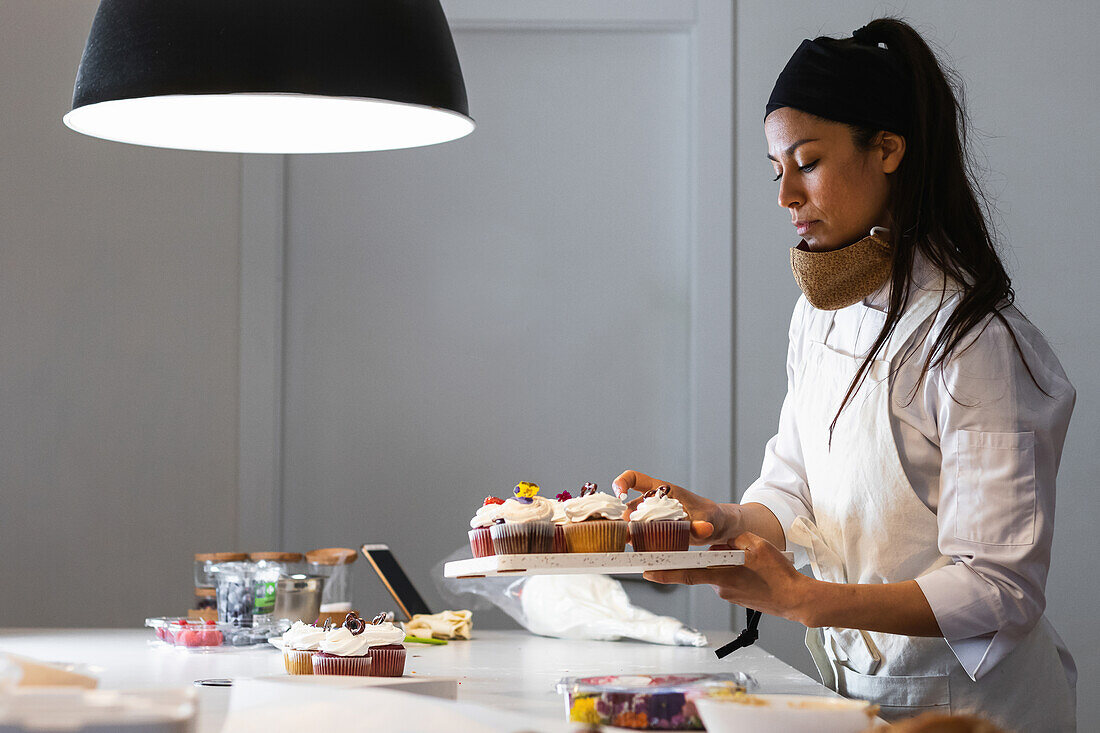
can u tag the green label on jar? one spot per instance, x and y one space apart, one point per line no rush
264 594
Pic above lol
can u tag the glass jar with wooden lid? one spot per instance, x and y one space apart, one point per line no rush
268 568
334 565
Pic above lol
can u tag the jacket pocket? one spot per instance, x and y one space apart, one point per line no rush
995 488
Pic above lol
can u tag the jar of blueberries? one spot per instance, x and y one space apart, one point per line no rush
268 568
233 585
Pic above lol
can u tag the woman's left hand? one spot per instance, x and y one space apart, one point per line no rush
767 581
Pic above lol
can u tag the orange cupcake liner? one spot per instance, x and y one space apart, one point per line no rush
596 535
297 661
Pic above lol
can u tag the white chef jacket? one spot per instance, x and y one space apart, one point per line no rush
980 444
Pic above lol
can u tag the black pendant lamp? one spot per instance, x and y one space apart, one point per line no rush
271 76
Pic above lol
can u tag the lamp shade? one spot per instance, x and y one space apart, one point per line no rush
271 76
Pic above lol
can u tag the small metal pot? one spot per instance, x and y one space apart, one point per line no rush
298 597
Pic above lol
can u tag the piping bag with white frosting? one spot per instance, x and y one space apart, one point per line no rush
596 607
565 606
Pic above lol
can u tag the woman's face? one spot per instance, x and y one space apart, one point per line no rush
833 191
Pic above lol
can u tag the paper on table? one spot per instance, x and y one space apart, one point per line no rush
336 708
32 673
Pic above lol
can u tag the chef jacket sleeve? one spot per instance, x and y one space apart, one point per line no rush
782 486
1001 441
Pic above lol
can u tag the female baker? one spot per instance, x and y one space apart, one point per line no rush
918 443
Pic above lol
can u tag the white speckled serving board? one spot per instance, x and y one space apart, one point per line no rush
600 563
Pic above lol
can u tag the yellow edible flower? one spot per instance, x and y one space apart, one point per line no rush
584 711
526 490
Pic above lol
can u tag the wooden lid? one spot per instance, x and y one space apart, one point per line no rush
331 556
203 614
279 556
206 593
220 556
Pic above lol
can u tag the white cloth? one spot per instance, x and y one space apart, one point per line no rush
869 526
442 625
980 445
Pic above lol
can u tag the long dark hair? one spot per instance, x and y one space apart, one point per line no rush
937 206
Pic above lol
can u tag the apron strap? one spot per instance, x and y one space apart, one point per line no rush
746 638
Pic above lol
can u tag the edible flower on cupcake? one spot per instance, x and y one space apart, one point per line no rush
558 505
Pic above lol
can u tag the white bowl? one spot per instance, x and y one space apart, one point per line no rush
785 714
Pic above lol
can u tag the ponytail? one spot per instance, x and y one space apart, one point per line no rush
938 207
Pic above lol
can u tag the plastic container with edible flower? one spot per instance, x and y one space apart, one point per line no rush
644 702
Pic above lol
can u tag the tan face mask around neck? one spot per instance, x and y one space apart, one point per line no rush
842 277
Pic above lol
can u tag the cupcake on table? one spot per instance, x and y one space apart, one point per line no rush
344 651
387 653
523 524
659 523
595 522
300 642
359 648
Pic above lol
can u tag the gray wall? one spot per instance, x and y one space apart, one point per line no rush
118 348
465 316
1030 71
119 305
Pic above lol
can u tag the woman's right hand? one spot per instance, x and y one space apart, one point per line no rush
711 523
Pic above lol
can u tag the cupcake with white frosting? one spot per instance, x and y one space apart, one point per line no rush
659 523
300 642
344 650
523 525
595 522
387 653
359 648
559 519
481 541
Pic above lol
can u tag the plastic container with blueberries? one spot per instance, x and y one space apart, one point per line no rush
196 635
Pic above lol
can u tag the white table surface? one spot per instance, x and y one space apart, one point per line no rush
513 670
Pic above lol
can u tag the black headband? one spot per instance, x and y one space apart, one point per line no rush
847 80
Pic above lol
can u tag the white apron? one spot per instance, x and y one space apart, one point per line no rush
871 528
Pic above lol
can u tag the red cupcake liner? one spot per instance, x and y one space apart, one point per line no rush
663 535
559 539
387 660
596 535
332 664
481 542
521 539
